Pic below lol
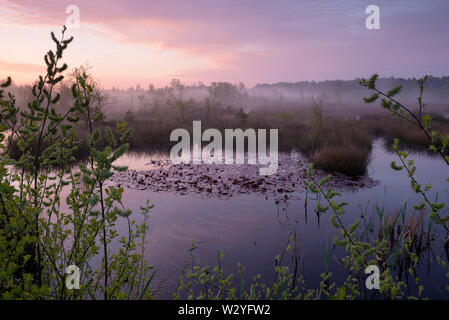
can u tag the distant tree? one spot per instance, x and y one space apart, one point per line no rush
176 100
318 111
97 97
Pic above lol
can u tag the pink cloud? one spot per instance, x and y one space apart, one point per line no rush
21 67
277 40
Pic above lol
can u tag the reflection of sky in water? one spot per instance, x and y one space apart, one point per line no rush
145 161
252 230
140 160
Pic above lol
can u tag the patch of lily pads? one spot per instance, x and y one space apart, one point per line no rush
227 181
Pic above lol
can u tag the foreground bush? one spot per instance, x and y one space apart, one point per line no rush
48 237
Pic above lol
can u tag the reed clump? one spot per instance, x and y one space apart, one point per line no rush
347 159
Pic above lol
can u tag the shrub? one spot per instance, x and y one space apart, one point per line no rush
40 239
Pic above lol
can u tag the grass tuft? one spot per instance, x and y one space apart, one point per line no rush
349 160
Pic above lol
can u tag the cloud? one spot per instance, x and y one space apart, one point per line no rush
21 67
264 38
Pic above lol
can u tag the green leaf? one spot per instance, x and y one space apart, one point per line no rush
394 166
309 170
371 84
372 98
321 209
394 91
325 180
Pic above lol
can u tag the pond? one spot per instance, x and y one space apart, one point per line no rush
254 227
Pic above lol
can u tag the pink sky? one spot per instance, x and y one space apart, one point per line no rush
252 41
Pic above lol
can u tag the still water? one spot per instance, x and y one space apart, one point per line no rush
252 229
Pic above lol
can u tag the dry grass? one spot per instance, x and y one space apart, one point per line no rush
342 143
411 137
347 159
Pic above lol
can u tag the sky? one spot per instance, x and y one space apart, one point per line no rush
251 41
